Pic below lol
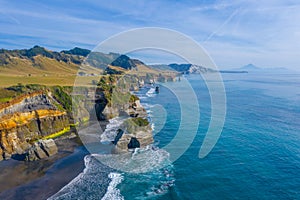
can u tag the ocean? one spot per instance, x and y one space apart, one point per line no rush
256 157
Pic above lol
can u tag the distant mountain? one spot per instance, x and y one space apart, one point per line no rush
184 68
249 67
254 68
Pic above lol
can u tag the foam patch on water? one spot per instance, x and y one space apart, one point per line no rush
112 191
151 184
153 126
141 161
111 129
92 183
151 92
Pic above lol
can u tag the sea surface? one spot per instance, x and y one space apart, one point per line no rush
256 157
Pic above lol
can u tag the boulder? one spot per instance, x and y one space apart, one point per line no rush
6 156
49 147
41 149
38 151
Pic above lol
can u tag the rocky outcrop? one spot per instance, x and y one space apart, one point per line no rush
26 103
136 110
27 119
134 133
41 149
185 68
133 109
197 69
115 100
136 140
20 129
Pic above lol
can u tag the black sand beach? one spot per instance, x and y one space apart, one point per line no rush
41 179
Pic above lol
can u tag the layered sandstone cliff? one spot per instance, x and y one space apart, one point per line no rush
27 119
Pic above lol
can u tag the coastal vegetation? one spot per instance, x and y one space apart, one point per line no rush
39 102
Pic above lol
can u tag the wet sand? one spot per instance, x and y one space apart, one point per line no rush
41 179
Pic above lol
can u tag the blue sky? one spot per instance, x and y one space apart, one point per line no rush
234 33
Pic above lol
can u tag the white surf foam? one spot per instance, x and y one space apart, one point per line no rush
113 193
151 92
144 160
94 182
111 129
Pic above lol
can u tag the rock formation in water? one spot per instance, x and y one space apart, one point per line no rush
135 133
115 100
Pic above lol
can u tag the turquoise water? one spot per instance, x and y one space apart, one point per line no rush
256 157
258 153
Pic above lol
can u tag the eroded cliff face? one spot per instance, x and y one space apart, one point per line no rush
115 100
27 103
26 120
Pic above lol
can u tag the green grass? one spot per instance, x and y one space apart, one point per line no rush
5 99
58 134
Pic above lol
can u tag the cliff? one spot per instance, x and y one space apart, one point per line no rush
133 133
115 100
184 68
26 119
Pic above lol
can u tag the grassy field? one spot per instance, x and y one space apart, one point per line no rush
44 71
6 81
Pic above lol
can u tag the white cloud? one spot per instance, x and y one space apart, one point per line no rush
236 32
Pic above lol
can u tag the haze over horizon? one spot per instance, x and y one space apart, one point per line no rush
233 33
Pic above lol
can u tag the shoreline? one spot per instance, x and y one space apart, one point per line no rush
43 178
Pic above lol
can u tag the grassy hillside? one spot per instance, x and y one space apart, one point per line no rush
45 67
41 66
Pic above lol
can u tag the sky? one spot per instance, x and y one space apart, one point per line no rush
233 33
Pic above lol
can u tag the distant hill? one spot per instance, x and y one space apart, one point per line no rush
77 51
74 55
126 62
37 60
39 65
101 60
184 68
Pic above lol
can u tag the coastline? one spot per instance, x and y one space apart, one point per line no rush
43 178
